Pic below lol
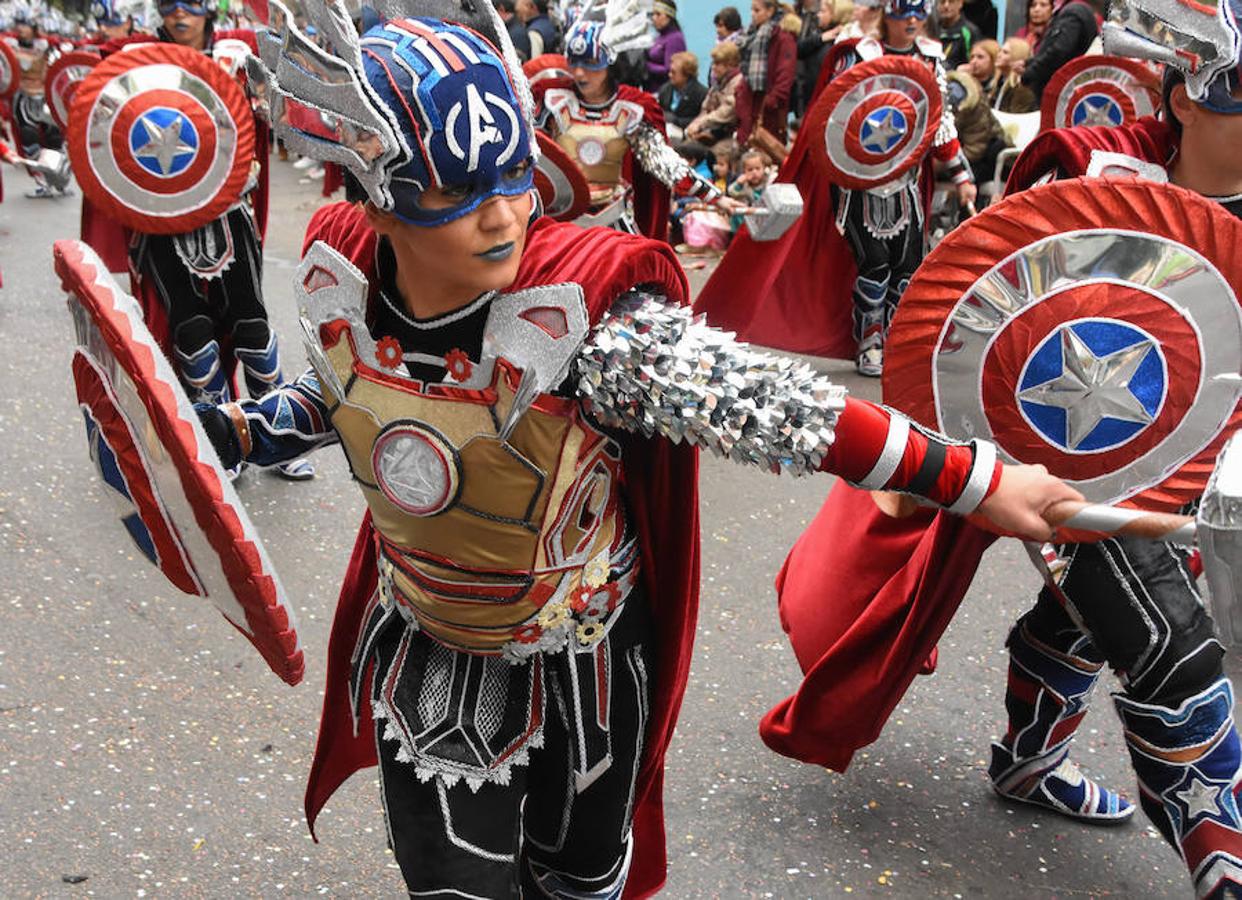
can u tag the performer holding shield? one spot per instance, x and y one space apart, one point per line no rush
518 402
180 167
32 121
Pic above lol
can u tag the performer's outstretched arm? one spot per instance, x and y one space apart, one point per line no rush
653 368
656 157
281 425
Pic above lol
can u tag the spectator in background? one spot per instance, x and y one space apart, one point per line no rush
1071 31
540 30
984 14
711 132
867 16
982 67
1011 95
980 134
748 189
957 33
507 10
669 42
769 63
682 96
1038 15
728 24
814 44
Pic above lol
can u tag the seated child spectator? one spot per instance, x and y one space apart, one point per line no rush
705 228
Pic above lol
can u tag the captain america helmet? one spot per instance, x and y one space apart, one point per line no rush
584 46
105 12
1201 41
457 113
906 9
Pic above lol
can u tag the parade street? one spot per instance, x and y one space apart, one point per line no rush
146 750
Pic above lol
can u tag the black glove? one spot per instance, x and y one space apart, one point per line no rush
221 433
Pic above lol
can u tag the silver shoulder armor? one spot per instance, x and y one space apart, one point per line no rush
655 368
656 156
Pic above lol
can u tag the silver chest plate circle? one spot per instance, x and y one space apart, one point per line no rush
416 468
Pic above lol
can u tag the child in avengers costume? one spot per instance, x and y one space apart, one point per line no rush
207 283
1129 603
519 401
615 133
884 225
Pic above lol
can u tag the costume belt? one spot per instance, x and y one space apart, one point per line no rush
509 614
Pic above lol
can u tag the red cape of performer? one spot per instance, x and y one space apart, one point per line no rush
651 198
861 647
793 293
661 494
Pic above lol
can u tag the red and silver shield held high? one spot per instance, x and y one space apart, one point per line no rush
562 186
9 70
1099 90
152 453
875 121
161 138
62 81
1091 325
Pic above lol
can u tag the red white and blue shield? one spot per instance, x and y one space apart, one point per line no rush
1090 325
1099 90
562 187
62 81
875 120
161 138
8 71
145 439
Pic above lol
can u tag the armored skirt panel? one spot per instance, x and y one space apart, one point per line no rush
490 545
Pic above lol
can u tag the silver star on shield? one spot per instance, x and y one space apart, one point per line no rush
883 132
1098 113
1091 388
1200 799
163 145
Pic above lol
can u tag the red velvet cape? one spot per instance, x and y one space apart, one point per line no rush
661 491
651 198
864 598
794 293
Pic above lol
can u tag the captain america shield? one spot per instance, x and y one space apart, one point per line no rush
62 81
8 71
875 121
562 186
161 138
1099 90
1110 354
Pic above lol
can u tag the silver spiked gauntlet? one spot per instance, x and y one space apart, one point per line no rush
652 367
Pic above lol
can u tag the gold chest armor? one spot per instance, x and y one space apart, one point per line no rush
32 61
596 142
491 498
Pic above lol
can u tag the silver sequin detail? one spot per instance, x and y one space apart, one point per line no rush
658 159
655 368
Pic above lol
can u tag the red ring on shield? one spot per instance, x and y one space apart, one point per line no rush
1125 81
9 68
921 330
62 81
836 145
895 101
200 120
116 182
1013 345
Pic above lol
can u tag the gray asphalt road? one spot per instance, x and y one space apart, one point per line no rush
144 747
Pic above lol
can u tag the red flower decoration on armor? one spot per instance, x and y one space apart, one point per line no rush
458 364
581 598
388 352
528 633
603 601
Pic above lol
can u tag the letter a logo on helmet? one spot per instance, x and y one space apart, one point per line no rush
483 128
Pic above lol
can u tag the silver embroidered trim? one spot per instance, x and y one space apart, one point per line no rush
656 157
655 368
948 125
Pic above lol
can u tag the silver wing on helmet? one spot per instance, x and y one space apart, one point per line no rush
319 102
1200 39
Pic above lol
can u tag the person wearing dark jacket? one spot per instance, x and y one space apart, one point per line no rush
1072 29
507 10
957 34
682 95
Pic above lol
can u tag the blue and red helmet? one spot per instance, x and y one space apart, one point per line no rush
584 45
906 9
456 112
